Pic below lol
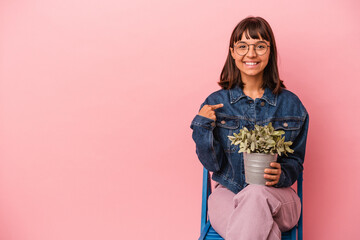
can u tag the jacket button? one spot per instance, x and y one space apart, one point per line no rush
262 104
223 122
249 101
285 124
213 124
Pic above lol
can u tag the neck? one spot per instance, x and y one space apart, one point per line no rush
252 86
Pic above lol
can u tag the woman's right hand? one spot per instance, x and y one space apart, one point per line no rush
208 111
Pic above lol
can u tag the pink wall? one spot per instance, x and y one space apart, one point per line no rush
97 99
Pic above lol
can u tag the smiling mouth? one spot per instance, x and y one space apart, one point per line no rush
251 63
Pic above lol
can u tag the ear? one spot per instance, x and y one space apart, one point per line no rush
232 52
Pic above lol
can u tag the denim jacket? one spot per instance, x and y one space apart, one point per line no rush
214 149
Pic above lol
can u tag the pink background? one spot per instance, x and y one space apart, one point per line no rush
97 98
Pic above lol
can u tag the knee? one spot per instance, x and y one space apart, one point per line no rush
220 209
220 197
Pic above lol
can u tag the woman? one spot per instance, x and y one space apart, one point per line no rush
251 93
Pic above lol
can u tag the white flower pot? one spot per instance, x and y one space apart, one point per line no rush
255 164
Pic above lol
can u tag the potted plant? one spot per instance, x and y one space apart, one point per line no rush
260 147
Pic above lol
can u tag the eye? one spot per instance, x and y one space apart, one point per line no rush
261 46
242 46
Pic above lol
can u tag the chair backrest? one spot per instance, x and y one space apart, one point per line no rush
206 191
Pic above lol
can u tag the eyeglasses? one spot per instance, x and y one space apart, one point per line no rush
242 48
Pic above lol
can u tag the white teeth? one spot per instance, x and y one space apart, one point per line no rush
248 63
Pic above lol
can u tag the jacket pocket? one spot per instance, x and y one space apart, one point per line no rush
227 122
290 126
226 126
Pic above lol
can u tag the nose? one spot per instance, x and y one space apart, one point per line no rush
251 52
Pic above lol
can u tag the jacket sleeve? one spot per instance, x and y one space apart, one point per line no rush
208 148
292 165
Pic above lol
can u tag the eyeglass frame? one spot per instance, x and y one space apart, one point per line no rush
235 45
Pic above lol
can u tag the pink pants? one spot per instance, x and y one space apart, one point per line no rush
255 213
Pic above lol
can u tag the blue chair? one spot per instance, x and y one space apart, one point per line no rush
208 233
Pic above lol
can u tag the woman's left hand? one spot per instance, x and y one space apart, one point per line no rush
273 174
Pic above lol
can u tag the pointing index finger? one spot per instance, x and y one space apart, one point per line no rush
217 106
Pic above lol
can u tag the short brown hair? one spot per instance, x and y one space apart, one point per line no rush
230 75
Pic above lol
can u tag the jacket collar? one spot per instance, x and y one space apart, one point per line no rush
237 93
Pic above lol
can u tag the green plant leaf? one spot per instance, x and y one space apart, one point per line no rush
252 146
232 138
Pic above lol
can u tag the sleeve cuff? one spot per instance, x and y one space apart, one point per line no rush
203 122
